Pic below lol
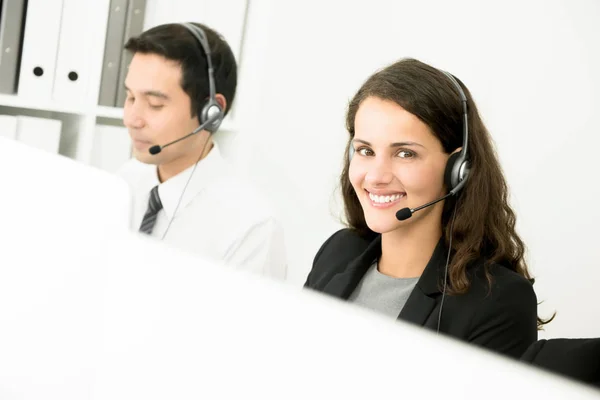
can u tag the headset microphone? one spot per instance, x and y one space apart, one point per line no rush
406 213
157 149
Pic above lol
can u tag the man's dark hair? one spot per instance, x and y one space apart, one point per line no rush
176 43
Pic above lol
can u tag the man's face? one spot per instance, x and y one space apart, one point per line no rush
157 110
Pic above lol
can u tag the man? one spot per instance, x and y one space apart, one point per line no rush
185 193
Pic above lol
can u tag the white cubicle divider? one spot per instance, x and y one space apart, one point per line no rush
89 310
180 327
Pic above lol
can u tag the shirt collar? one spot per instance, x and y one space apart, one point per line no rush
206 171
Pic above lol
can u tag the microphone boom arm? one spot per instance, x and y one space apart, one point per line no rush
412 210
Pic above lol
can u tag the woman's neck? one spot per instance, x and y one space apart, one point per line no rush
406 251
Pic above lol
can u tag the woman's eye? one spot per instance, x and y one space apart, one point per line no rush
365 152
406 154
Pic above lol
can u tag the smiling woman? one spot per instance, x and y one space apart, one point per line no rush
461 254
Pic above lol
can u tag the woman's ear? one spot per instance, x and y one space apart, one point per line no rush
455 151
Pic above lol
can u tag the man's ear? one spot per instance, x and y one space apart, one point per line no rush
222 101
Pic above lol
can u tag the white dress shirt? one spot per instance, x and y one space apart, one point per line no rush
221 216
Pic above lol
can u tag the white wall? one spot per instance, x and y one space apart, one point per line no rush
532 67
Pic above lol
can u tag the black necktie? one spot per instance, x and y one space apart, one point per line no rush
154 206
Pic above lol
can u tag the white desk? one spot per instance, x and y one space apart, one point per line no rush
89 310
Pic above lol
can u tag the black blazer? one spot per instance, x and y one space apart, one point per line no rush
503 319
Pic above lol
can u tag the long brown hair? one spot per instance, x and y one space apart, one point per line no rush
484 226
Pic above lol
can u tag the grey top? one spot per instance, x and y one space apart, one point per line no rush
382 293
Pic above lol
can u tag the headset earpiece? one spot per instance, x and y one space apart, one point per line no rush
449 176
457 172
211 108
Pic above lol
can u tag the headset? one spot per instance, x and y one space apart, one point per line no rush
458 166
211 110
210 115
456 174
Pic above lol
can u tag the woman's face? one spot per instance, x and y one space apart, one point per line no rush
398 163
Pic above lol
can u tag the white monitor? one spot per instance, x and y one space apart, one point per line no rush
46 193
56 216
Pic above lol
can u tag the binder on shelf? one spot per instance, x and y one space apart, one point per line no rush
41 133
8 126
133 27
11 24
111 148
40 44
80 22
113 48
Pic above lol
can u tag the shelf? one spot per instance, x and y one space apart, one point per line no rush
114 113
12 100
109 112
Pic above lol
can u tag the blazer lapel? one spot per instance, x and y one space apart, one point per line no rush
422 300
343 283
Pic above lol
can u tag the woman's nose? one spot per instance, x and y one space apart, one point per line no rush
380 173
